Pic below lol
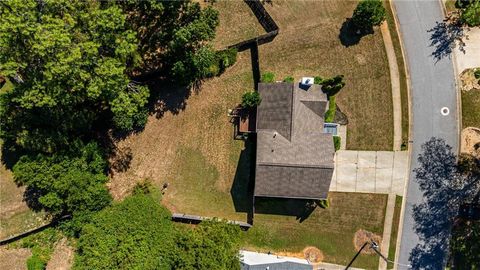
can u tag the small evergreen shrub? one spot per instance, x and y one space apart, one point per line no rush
336 142
317 80
324 204
251 99
289 79
268 77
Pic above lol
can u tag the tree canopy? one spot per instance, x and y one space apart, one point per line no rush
471 13
138 234
368 13
69 60
65 183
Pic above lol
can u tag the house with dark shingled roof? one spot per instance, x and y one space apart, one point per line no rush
294 155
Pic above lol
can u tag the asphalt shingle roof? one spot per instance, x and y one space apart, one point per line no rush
294 156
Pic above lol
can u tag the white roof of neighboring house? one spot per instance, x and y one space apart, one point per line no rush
270 261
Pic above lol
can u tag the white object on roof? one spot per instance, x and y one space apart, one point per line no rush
255 258
307 80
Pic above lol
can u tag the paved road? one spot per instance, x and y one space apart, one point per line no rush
432 87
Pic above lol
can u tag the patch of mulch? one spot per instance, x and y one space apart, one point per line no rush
313 254
362 236
470 141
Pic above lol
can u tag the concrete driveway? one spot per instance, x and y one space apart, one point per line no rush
470 57
370 171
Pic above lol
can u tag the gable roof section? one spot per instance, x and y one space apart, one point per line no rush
294 156
275 110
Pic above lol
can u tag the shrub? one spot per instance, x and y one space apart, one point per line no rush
471 14
317 80
331 86
336 142
324 203
251 99
211 245
268 77
226 58
368 13
332 107
35 263
134 234
289 79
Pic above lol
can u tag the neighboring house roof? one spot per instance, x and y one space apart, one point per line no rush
294 156
261 261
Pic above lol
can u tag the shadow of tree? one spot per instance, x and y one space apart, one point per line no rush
444 38
444 189
349 35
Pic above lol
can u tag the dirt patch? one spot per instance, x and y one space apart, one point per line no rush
62 257
310 253
313 254
362 236
468 80
14 259
470 142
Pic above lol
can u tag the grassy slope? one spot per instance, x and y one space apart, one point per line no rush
470 108
394 234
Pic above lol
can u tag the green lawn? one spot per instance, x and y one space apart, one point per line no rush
331 230
470 108
394 234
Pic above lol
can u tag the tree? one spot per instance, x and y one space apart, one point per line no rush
65 183
173 35
211 245
471 13
138 234
69 61
368 13
134 234
251 99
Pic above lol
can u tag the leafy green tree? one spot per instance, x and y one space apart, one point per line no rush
251 99
64 183
331 86
69 61
368 13
173 35
471 14
211 245
465 245
134 234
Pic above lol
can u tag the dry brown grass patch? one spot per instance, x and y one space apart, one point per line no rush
362 236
